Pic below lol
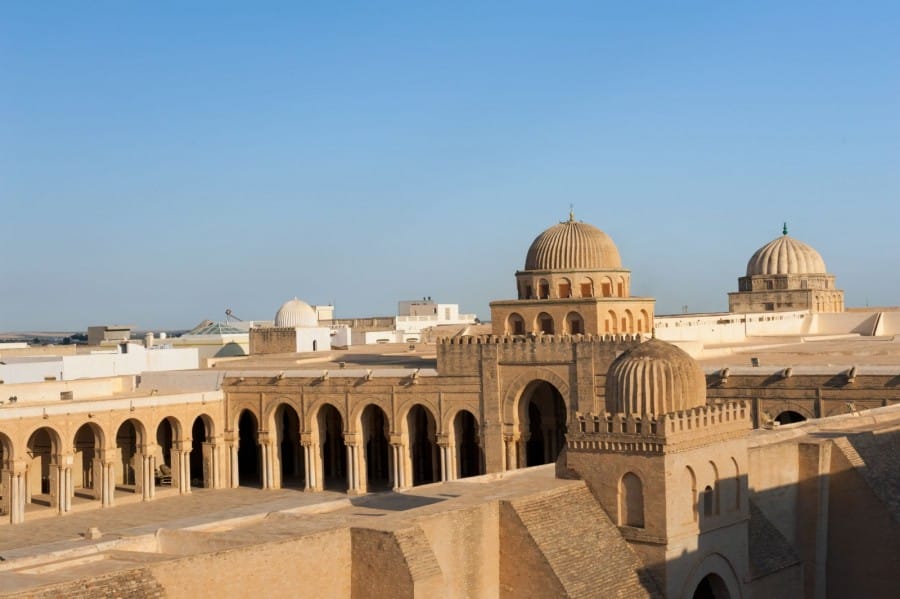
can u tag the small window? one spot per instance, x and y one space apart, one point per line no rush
529 292
587 290
565 290
606 288
770 285
545 290
769 307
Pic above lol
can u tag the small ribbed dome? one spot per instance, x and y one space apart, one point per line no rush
296 313
654 378
572 245
785 256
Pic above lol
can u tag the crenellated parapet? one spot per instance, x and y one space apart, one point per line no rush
464 355
671 432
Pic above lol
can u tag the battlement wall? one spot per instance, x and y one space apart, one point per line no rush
629 432
463 355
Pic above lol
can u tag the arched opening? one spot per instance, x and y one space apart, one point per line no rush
543 289
612 323
165 438
315 346
331 443
628 322
644 324
574 323
6 457
43 445
468 450
249 466
201 458
542 413
287 437
587 287
692 482
564 288
631 501
423 447
515 324
375 432
544 323
127 467
86 468
712 587
620 288
789 417
606 287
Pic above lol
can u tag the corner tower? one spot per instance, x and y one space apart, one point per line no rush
573 283
668 469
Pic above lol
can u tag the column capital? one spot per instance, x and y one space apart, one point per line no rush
442 440
351 439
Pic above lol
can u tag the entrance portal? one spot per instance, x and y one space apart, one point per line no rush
712 587
422 430
468 451
375 433
331 443
287 431
542 414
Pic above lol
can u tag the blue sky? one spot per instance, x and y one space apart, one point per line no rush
160 163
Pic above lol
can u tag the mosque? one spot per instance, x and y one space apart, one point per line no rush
670 480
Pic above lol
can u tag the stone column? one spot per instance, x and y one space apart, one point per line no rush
181 466
145 460
13 475
311 467
398 462
511 461
267 461
62 488
211 475
443 443
522 450
233 445
354 484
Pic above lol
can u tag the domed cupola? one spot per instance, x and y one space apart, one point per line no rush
296 313
572 245
654 378
785 256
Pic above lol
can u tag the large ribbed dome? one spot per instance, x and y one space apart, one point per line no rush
572 245
785 256
654 378
296 313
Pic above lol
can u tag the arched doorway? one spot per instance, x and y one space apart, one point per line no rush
712 587
423 447
249 467
468 450
789 417
287 436
6 484
201 436
127 467
331 445
43 445
375 431
542 417
165 440
86 469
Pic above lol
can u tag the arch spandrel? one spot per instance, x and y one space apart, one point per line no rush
517 388
174 421
56 438
407 404
239 408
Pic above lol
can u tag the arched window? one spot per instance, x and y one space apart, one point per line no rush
515 324
606 287
565 288
628 322
587 287
544 323
631 501
612 322
574 323
543 289
692 481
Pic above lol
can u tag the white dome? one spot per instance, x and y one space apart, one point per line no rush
296 313
785 256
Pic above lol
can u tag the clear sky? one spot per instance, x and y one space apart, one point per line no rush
160 162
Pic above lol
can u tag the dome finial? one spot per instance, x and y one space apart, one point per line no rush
571 213
784 230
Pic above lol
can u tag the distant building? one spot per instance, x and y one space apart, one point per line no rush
296 329
108 334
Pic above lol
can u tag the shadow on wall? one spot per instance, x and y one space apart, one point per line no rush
834 533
